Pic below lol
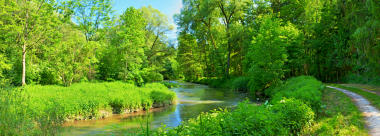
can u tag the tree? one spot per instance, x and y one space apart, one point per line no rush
268 53
69 58
91 15
30 23
189 64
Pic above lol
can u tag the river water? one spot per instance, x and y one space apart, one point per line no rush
192 100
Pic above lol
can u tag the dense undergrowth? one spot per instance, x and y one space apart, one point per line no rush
371 79
236 83
35 110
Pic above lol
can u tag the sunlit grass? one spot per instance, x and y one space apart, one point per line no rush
39 109
338 116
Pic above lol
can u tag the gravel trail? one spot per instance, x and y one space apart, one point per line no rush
371 114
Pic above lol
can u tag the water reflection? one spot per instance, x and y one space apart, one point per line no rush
192 100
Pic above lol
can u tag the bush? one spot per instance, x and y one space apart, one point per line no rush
294 114
245 120
284 118
240 83
304 88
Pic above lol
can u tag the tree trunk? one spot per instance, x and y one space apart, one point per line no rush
23 65
229 51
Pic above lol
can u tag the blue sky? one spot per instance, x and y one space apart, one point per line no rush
168 7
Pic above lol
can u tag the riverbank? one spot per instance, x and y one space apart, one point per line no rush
300 106
193 99
40 109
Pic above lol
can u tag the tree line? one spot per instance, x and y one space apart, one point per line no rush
49 42
270 40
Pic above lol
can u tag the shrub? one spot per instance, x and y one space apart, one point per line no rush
294 114
304 88
284 118
240 83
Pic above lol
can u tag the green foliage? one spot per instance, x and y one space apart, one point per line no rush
3 66
304 88
40 110
362 79
267 56
89 100
16 117
284 118
240 83
294 114
170 84
339 116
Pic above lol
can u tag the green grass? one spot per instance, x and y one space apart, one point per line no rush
38 108
372 98
338 116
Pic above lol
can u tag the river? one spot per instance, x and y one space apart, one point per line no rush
192 100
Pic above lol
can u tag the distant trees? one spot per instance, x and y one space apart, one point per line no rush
326 39
45 42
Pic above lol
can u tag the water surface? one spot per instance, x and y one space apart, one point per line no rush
192 100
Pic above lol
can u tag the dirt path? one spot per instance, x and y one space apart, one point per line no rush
364 88
371 114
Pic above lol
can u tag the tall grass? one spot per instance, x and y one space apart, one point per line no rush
86 100
36 109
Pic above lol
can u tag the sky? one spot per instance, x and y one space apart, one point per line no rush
167 7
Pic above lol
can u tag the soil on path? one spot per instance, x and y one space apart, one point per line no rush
371 114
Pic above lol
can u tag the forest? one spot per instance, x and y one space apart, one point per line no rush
74 60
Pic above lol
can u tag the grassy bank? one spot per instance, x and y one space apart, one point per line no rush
40 108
